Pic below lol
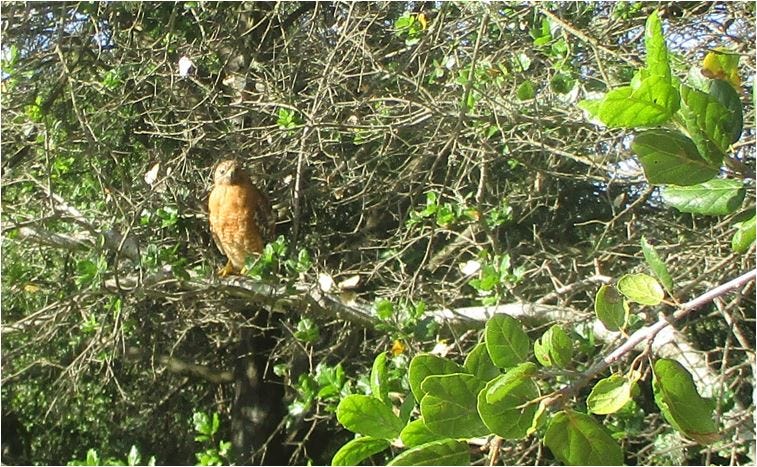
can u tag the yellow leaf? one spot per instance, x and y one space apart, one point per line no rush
722 65
31 288
398 348
422 19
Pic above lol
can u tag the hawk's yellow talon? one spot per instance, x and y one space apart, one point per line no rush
226 270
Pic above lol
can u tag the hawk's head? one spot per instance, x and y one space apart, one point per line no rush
229 172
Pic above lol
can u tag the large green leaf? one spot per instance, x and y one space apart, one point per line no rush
657 52
707 123
716 197
651 99
506 341
423 365
359 449
378 378
577 439
609 395
611 308
416 433
479 363
653 103
656 264
368 416
670 157
641 288
449 406
726 95
508 403
680 403
443 452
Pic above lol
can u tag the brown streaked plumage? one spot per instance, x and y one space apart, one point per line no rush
240 215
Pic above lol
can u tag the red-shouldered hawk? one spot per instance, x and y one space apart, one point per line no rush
240 215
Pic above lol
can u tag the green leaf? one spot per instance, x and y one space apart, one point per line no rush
416 433
92 457
561 83
609 395
707 123
384 308
358 449
744 236
479 363
506 341
554 348
404 21
406 409
526 91
86 272
611 308
657 52
201 423
726 95
670 157
423 365
449 406
507 403
680 403
215 424
368 416
133 458
307 331
716 197
378 378
444 452
656 264
722 64
653 103
641 288
577 439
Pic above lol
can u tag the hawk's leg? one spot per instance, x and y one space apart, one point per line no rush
226 270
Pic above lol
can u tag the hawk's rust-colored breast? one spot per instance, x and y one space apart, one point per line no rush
240 220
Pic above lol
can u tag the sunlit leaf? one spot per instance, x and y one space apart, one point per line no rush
744 236
611 308
578 439
722 65
423 365
509 402
609 395
449 406
680 403
359 449
416 433
506 341
716 197
641 288
554 348
479 363
368 416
